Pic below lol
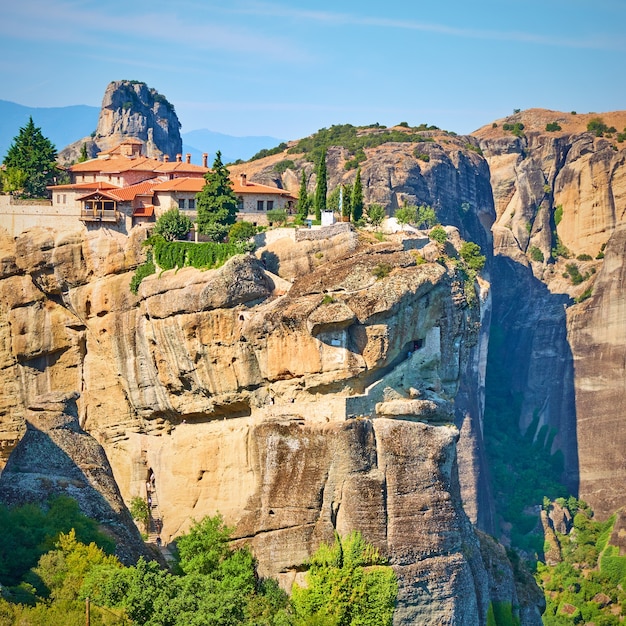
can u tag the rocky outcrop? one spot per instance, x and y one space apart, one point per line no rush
131 109
560 197
293 407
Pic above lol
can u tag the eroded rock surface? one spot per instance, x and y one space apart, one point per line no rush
292 408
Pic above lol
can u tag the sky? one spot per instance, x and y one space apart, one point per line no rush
288 68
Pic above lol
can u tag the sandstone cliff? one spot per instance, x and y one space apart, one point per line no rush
560 198
131 109
292 406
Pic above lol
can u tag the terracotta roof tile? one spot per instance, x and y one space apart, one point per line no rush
144 211
140 189
190 185
83 186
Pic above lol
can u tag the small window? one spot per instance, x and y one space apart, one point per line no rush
191 203
259 205
64 200
270 205
58 199
240 203
181 203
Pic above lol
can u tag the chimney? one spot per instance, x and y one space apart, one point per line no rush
188 158
179 158
166 158
205 158
244 179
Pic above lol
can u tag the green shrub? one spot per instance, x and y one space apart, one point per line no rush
382 270
597 127
552 127
145 269
536 254
284 165
177 254
470 253
571 270
281 147
173 225
583 257
241 231
439 234
473 148
584 295
139 510
277 216
558 214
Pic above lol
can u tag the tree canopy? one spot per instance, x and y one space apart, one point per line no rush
216 203
173 225
357 197
34 156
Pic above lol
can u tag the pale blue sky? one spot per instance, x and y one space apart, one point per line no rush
286 69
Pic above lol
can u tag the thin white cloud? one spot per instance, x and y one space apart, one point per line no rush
78 24
347 19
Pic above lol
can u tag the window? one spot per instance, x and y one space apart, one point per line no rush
240 203
270 205
191 204
181 203
259 205
64 199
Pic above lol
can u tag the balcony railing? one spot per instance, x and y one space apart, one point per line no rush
102 215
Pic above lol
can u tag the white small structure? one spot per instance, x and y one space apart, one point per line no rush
328 218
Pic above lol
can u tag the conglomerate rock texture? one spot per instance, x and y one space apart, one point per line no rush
292 408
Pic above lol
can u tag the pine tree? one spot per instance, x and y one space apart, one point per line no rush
357 198
84 156
216 203
321 187
35 156
303 198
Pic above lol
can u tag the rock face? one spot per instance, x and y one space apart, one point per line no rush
292 408
132 109
556 190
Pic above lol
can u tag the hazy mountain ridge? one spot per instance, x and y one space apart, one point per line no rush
65 125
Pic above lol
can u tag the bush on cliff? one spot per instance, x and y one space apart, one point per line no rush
173 225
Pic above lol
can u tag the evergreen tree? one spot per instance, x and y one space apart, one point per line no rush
357 198
83 154
216 203
35 155
303 198
346 210
321 187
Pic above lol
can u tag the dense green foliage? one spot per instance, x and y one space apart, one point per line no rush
277 216
589 584
281 147
304 201
355 139
346 209
376 214
422 216
284 165
558 214
173 225
536 254
241 231
552 127
357 198
212 584
321 187
34 156
216 203
347 584
439 234
471 254
177 254
147 268
517 129
139 510
29 531
501 614
597 126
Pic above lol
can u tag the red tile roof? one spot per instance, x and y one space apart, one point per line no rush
132 191
83 186
190 185
256 188
144 211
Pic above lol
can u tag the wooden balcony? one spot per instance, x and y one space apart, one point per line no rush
100 215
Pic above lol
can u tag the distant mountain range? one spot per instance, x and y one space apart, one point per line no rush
65 125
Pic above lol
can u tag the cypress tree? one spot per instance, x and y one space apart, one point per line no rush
321 187
303 198
35 156
357 197
216 203
346 210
